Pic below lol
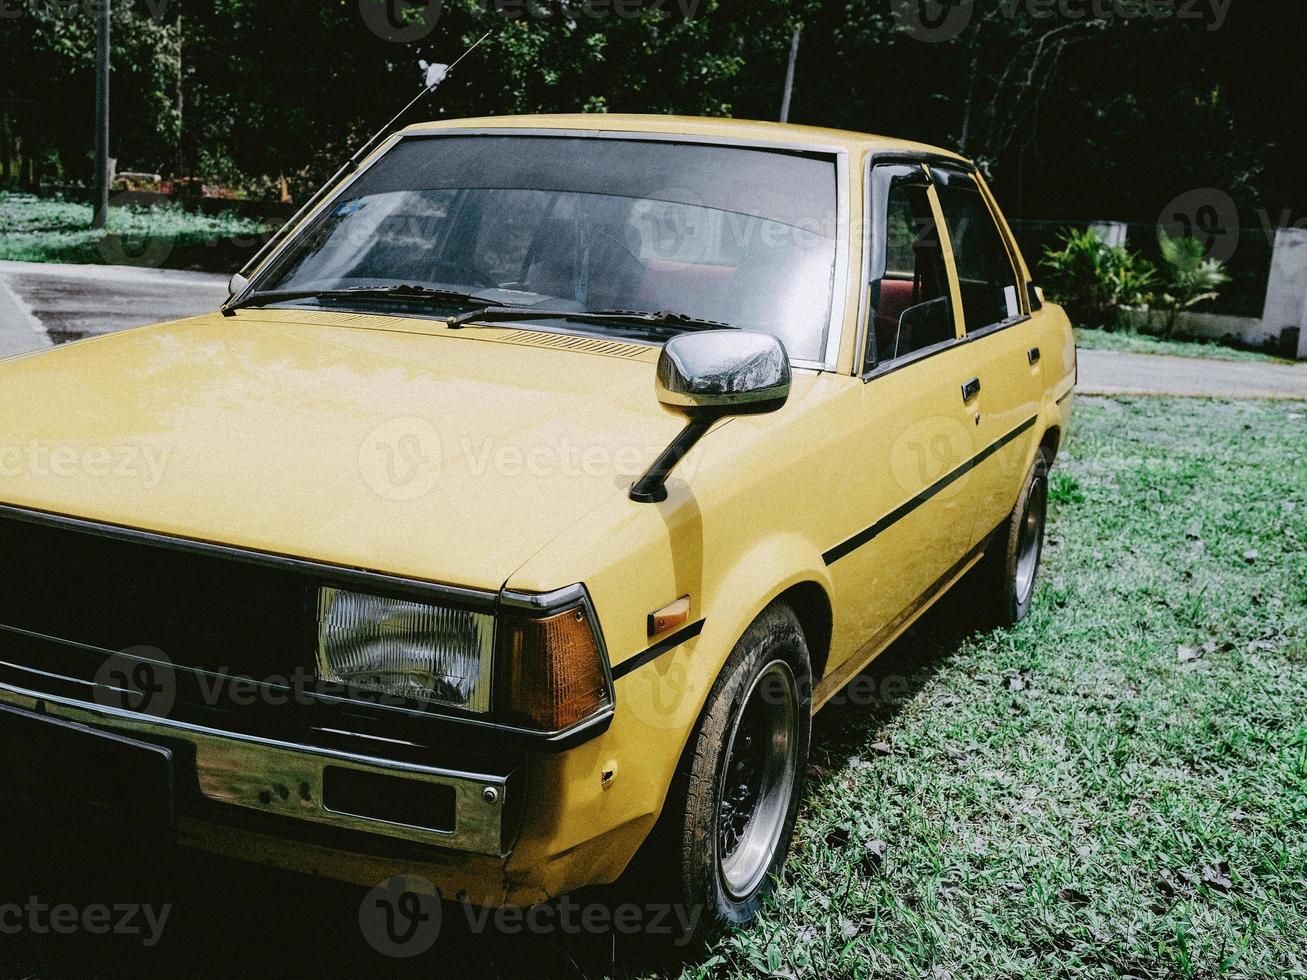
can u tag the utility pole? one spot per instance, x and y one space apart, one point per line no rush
789 75
100 199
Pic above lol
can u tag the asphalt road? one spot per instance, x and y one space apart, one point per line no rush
1118 373
42 304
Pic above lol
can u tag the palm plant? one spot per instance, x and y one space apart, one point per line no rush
1094 280
1191 278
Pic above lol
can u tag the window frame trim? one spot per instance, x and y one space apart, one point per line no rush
861 333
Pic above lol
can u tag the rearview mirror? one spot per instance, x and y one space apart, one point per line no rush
236 285
708 376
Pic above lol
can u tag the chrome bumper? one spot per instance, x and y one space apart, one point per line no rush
287 780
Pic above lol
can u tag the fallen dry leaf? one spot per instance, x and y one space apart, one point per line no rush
1217 876
1073 896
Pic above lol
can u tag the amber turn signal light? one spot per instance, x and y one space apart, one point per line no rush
553 668
672 616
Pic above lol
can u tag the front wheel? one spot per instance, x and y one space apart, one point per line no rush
1011 566
743 773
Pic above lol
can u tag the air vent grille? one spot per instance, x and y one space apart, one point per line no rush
581 345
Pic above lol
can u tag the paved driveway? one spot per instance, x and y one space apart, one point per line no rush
1119 373
42 304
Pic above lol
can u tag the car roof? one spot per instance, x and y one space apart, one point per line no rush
742 130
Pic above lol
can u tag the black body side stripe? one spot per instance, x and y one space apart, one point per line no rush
658 649
903 510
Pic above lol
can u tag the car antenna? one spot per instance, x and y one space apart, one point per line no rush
435 74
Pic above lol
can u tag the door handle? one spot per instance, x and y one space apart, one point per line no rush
1033 355
970 389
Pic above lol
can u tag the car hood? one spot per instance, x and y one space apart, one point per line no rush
373 442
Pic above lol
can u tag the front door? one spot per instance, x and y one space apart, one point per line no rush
910 512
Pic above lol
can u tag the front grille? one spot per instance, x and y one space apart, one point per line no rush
202 611
72 594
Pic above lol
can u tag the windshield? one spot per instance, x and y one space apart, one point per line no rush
731 234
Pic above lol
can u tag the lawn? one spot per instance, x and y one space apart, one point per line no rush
1138 343
36 229
1116 787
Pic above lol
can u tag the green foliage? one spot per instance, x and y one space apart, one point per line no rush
1191 278
1094 280
58 230
249 91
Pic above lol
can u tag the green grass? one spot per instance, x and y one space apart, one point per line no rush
1138 343
1120 809
36 229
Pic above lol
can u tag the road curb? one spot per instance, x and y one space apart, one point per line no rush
20 331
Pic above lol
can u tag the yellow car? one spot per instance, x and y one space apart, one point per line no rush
524 503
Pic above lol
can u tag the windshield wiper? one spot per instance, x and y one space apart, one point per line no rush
665 318
400 291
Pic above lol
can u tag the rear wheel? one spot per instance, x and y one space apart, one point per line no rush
1011 566
737 792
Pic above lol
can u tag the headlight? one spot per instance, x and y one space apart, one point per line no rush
406 649
542 666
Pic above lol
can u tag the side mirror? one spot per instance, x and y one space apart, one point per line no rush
708 376
236 285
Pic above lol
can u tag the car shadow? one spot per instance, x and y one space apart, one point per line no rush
222 918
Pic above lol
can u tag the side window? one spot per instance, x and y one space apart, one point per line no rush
910 304
985 275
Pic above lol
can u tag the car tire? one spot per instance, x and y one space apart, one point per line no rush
1010 568
737 791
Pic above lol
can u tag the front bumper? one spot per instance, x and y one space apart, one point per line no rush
475 812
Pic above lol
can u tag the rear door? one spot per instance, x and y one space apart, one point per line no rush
908 515
1005 383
